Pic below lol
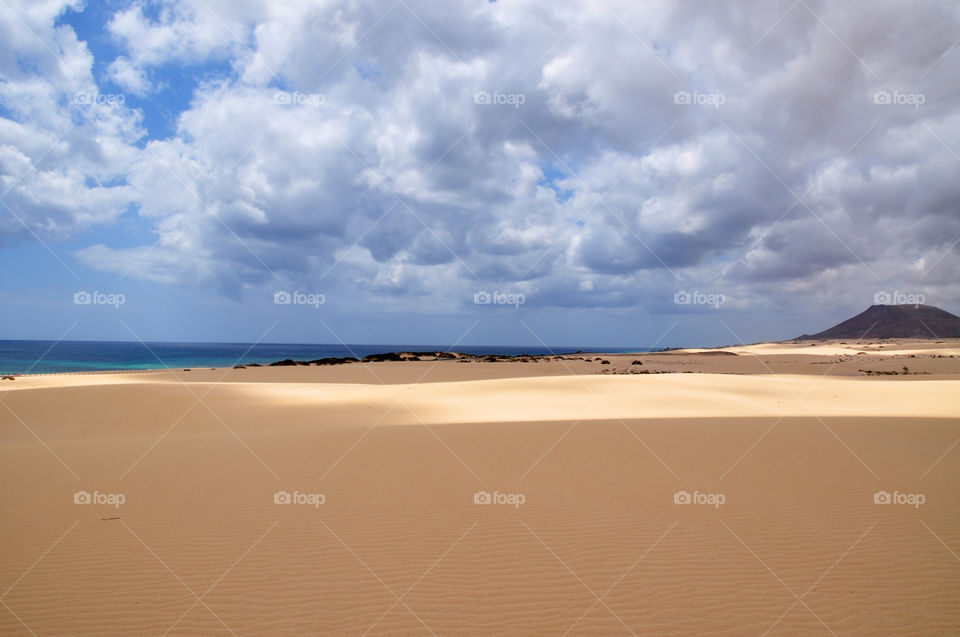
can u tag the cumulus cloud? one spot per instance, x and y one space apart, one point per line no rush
64 146
590 154
129 77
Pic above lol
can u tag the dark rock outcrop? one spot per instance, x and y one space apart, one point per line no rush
386 356
333 361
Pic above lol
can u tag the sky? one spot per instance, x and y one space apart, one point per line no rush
518 172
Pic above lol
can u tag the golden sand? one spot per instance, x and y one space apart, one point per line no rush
783 453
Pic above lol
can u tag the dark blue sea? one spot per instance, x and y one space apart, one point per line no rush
46 357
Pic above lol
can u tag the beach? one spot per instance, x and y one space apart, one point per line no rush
780 489
493 319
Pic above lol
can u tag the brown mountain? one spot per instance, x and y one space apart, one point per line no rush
893 321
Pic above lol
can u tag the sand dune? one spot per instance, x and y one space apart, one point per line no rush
583 534
625 397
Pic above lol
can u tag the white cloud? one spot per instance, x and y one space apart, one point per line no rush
64 146
651 191
129 77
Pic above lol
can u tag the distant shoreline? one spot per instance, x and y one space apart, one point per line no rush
399 356
47 357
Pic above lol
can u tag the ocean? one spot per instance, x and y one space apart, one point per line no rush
49 357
